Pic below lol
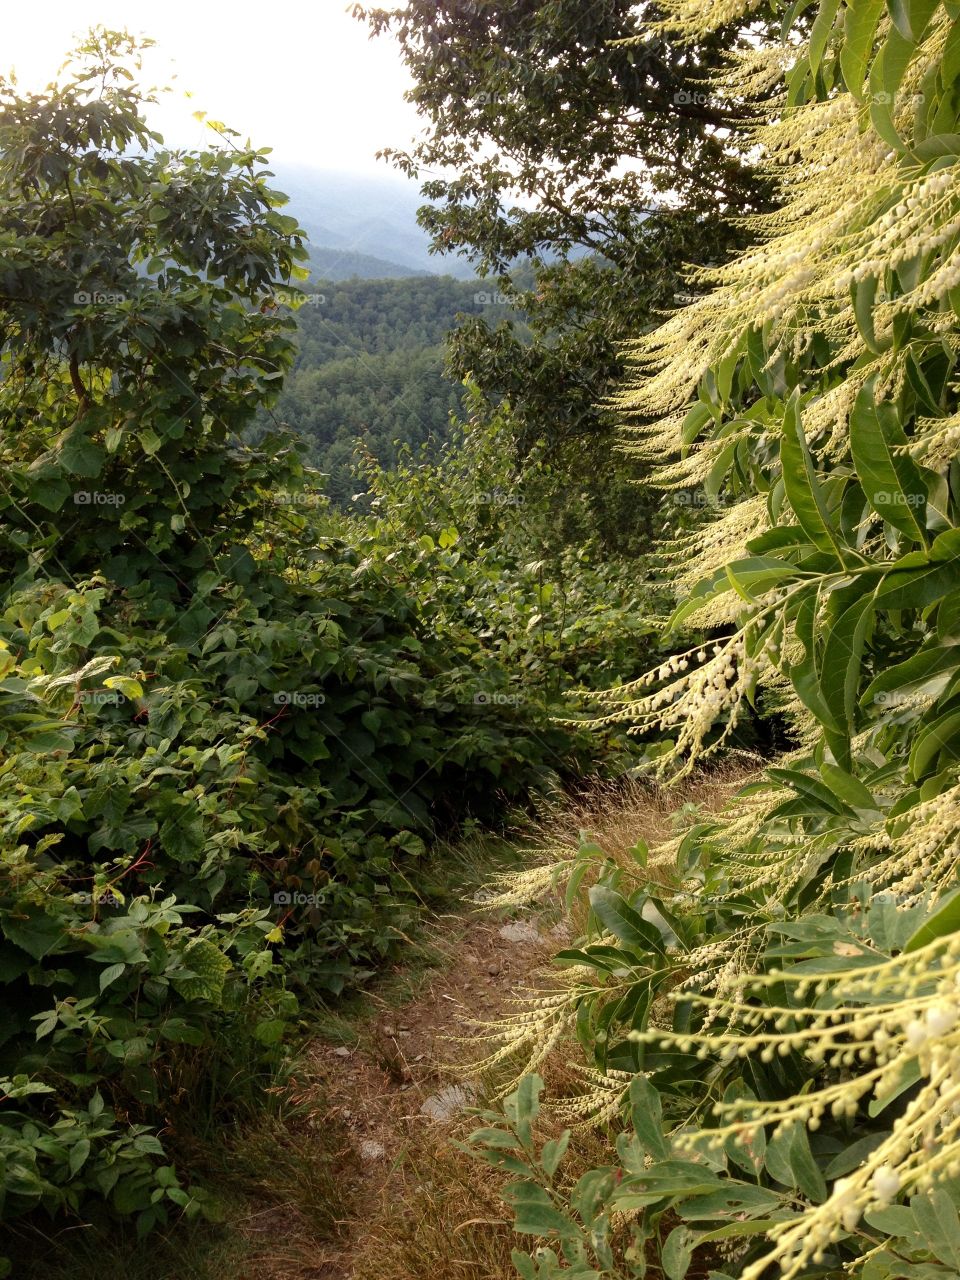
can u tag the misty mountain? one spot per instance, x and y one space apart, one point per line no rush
344 264
359 214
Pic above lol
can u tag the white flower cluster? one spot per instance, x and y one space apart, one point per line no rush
868 1026
692 701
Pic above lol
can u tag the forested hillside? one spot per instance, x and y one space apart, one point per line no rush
651 621
347 264
370 372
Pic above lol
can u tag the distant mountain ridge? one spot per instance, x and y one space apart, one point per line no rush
344 264
368 216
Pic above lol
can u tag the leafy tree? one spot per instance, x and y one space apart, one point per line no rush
134 351
582 142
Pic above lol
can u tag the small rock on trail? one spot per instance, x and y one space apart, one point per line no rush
520 931
443 1106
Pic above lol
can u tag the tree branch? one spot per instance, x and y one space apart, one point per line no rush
77 383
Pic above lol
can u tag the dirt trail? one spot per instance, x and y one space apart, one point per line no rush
397 1098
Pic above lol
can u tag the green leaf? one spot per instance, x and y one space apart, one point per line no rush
50 494
806 1172
886 75
944 920
800 481
823 797
906 1078
526 1267
820 32
915 670
707 589
553 1152
842 663
78 1156
940 736
150 442
847 788
805 674
110 974
911 17
890 479
270 1031
523 1106
736 1199
939 1225
80 456
647 1114
860 24
788 1158
534 1212
677 1252
922 578
937 145
863 294
500 1139
950 64
35 932
695 420
747 1146
620 919
126 685
756 575
574 882
853 1156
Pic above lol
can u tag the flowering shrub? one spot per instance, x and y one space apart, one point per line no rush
772 1021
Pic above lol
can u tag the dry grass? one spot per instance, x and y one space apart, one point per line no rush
444 1217
616 814
440 1213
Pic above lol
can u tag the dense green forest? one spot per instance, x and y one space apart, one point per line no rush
671 529
370 373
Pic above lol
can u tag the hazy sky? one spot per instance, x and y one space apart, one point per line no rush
302 77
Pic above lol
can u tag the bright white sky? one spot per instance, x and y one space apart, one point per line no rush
301 76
